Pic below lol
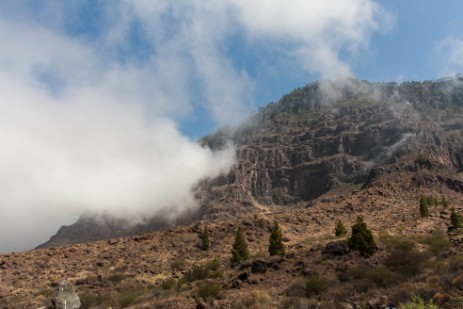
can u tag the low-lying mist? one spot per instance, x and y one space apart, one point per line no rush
85 153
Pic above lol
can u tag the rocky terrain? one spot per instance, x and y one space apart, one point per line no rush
319 137
326 152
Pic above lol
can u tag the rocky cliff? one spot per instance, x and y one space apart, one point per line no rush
322 137
329 134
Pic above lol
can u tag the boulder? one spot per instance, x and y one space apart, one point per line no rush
336 248
258 267
64 297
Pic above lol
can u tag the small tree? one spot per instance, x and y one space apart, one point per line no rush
276 246
444 202
362 238
205 239
424 211
340 229
456 219
240 250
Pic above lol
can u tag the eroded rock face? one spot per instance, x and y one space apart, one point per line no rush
64 297
310 142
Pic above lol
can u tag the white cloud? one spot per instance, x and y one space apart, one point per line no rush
88 120
450 51
317 32
89 145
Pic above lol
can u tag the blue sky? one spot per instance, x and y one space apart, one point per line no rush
102 101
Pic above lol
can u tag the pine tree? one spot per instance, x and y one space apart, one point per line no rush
340 229
205 239
456 219
362 239
276 241
240 247
424 211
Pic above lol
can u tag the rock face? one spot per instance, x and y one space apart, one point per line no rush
327 135
64 297
318 138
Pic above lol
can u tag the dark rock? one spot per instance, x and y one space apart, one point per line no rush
243 276
236 284
274 259
258 267
244 265
64 297
336 248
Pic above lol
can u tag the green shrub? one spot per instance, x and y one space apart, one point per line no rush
362 239
254 300
205 239
276 246
115 278
456 219
211 269
424 210
438 242
125 299
418 303
340 229
403 257
316 285
178 264
444 202
169 283
209 289
381 276
240 250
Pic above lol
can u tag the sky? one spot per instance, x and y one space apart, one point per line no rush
102 102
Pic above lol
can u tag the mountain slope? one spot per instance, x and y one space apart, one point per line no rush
324 138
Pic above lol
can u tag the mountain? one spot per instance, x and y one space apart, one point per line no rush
382 159
328 137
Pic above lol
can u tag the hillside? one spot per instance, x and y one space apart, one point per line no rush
323 153
324 136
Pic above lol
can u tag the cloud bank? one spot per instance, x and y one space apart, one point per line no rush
92 95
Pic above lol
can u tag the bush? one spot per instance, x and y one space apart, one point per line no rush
178 264
209 289
116 278
205 239
456 219
438 243
255 300
276 246
316 285
362 239
381 276
340 229
240 250
403 257
169 283
444 202
211 269
424 210
418 303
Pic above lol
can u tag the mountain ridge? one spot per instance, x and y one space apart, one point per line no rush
324 135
